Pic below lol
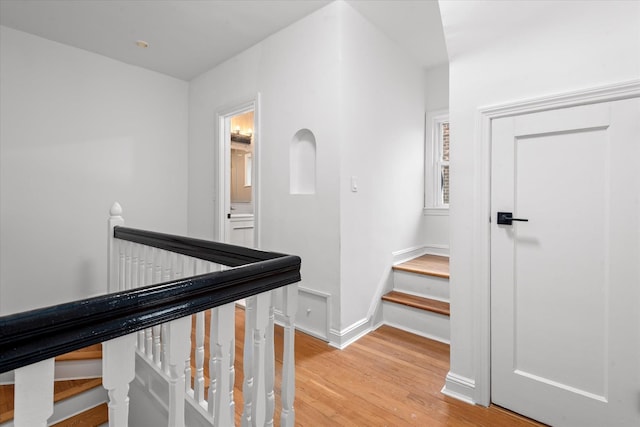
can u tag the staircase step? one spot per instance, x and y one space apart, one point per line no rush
428 265
87 353
62 390
66 389
425 286
418 315
421 303
6 402
93 417
83 363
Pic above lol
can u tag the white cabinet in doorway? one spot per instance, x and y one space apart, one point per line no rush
241 230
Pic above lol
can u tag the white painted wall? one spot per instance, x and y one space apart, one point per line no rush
337 75
437 88
79 131
502 52
436 226
382 119
296 71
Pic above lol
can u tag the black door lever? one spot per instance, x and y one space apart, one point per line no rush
506 218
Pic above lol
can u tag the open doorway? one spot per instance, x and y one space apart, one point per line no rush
238 178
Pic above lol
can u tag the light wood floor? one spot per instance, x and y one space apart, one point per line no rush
387 378
431 265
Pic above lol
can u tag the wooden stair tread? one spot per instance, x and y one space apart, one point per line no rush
87 353
6 402
90 418
428 265
420 303
61 390
66 389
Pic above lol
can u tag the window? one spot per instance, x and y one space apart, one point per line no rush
437 164
442 164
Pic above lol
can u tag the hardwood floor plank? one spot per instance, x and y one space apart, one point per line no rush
91 352
430 265
387 378
418 302
90 418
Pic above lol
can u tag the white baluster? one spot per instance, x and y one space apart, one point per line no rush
148 279
198 384
157 266
199 267
177 351
157 330
122 246
260 369
33 401
269 366
188 269
165 262
157 345
221 406
138 281
135 259
127 265
289 307
232 372
118 370
247 361
113 256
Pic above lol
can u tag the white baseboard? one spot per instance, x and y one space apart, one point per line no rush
407 254
459 387
404 255
441 250
342 339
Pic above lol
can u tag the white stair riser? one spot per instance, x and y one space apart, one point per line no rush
78 369
422 285
67 408
420 322
67 370
71 406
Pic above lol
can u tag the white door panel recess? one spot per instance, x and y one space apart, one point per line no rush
565 285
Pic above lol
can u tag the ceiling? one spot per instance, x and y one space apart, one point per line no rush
189 37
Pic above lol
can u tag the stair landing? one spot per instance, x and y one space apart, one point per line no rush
428 265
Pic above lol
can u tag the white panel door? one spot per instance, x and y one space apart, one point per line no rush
565 286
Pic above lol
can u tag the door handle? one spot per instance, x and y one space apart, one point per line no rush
506 218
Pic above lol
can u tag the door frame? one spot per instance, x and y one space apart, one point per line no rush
479 391
223 151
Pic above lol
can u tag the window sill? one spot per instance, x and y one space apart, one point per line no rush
444 211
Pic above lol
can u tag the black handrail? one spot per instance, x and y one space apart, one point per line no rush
220 253
40 334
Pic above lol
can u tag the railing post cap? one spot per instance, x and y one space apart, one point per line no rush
116 209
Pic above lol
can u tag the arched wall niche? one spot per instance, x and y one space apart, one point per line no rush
302 163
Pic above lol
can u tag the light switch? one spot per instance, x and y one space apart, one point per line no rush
354 184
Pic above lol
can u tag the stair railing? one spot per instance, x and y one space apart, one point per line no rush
158 285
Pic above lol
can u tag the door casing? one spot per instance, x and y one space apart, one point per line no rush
480 392
223 150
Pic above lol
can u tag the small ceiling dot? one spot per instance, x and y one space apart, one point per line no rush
143 44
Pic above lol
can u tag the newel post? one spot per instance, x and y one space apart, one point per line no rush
113 257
